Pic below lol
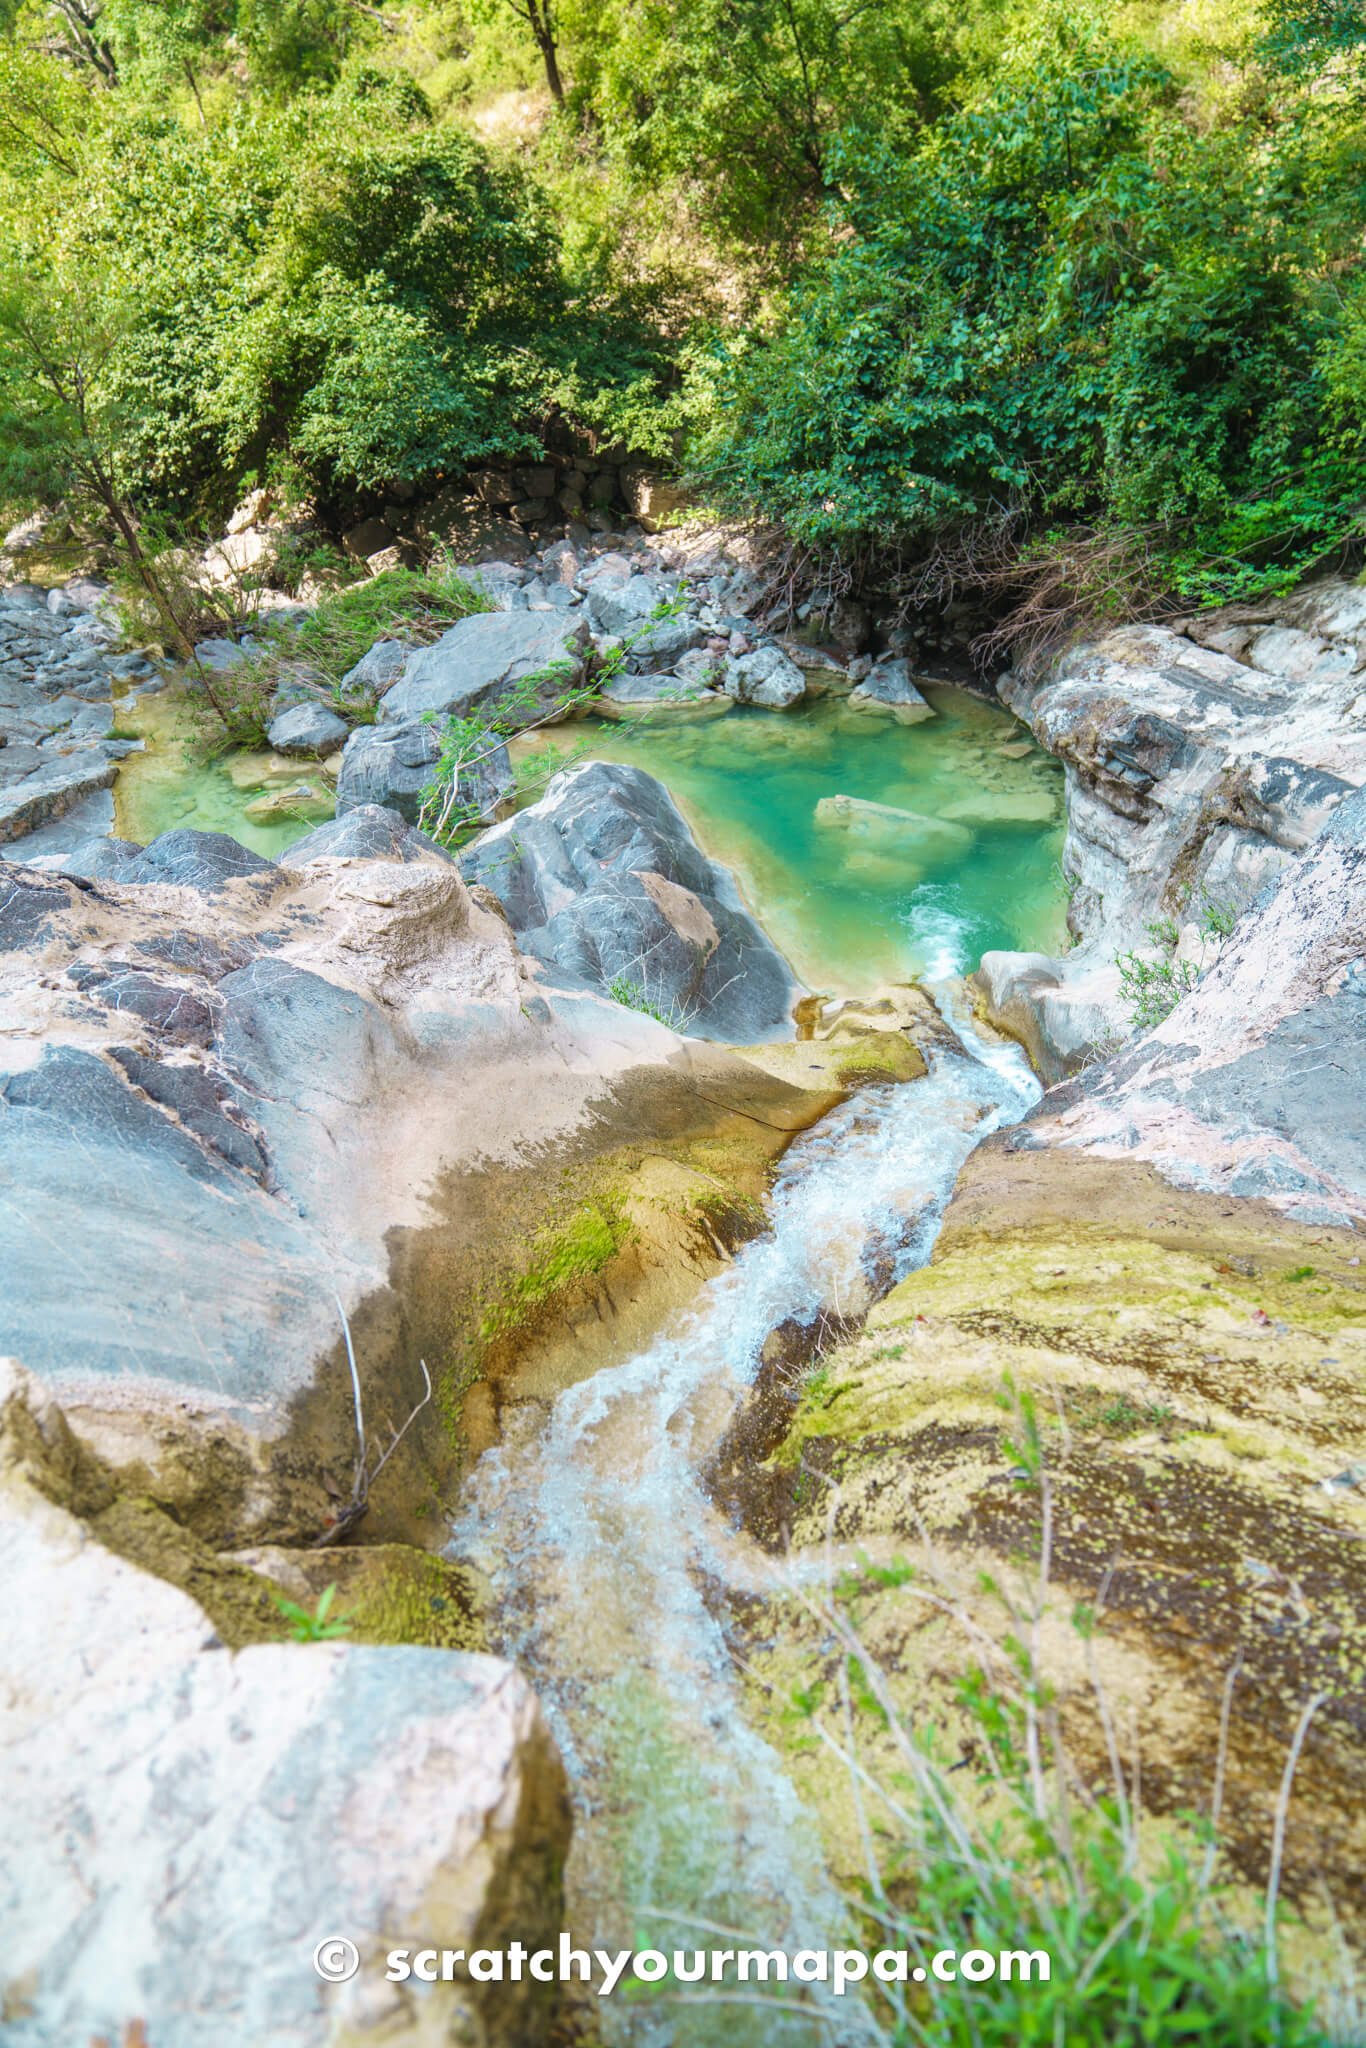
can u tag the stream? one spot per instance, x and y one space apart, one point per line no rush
601 1546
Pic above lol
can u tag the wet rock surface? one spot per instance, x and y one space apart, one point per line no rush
59 665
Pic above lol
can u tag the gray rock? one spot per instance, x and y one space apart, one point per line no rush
602 879
185 860
1250 1086
367 833
74 839
378 668
477 664
307 729
662 698
391 766
219 655
621 600
890 686
48 793
767 677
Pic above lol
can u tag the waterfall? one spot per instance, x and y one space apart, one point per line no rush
602 1550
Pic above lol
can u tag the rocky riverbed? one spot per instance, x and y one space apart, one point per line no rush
249 1104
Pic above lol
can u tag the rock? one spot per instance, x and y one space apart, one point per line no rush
244 1091
369 538
307 729
218 655
49 792
654 500
496 581
392 765
890 686
377 669
536 481
184 1769
621 601
1003 807
1061 1021
480 660
302 801
767 677
1242 1089
665 699
369 832
603 880
1199 763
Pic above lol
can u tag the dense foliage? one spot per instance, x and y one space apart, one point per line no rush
1003 276
1070 300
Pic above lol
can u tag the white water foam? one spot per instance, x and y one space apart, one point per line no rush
602 1548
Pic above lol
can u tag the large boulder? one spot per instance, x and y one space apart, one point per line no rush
768 677
308 728
480 662
231 1100
369 832
603 879
234 1811
890 687
392 766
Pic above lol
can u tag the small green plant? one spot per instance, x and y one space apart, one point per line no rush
1152 988
632 995
317 1627
1217 918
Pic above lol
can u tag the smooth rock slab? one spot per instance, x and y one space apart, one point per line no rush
183 1825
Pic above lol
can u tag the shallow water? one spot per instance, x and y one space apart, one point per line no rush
601 1547
877 898
852 901
177 782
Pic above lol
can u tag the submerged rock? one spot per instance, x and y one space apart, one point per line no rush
861 818
602 878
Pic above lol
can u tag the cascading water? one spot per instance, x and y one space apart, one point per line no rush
600 1544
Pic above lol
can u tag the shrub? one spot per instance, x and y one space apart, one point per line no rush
1068 303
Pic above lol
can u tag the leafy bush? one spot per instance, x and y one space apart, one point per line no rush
1069 302
331 288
